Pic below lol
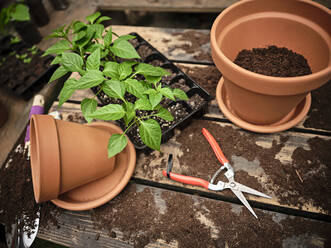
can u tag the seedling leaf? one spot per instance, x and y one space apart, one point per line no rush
88 106
110 112
116 144
59 72
150 133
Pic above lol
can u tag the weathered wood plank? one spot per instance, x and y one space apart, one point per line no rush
268 162
143 216
173 5
174 43
166 5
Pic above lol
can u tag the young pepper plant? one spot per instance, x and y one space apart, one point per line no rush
110 62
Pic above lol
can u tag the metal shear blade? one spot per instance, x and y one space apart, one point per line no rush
243 188
236 188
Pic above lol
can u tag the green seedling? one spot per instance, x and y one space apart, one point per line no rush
33 50
14 40
14 12
95 53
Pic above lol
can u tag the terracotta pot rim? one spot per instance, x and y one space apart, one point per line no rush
66 202
287 122
269 79
49 156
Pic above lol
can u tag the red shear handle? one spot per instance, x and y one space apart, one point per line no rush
215 146
186 179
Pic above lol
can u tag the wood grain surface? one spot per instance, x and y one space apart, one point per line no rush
80 229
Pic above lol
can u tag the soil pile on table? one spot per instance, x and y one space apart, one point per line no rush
273 61
319 115
153 217
16 192
207 77
197 44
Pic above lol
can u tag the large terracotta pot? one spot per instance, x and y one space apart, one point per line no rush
67 155
300 25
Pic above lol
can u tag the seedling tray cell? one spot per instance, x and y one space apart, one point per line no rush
31 77
195 107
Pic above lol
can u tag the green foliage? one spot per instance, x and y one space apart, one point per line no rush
14 12
94 53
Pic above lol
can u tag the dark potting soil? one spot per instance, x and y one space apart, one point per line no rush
312 165
145 215
207 77
17 76
16 193
273 61
177 110
319 116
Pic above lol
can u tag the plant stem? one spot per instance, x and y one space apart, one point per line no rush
67 38
132 122
97 92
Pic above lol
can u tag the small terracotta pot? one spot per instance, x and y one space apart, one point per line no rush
66 155
300 25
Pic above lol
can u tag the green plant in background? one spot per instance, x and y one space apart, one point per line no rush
14 12
104 59
15 40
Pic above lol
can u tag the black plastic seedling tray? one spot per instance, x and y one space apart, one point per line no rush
26 88
195 107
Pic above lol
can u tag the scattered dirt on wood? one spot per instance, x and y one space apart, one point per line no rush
207 77
16 191
273 61
196 42
282 179
17 196
144 51
138 216
314 166
49 215
237 227
145 215
130 211
319 115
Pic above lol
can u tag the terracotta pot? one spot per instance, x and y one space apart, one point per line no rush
300 25
66 155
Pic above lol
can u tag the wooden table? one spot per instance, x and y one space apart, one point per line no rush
291 166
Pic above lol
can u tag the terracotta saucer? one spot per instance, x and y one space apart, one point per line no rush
100 191
290 120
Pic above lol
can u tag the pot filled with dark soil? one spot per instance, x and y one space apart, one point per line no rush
271 55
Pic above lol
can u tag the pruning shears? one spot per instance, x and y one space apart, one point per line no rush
235 187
